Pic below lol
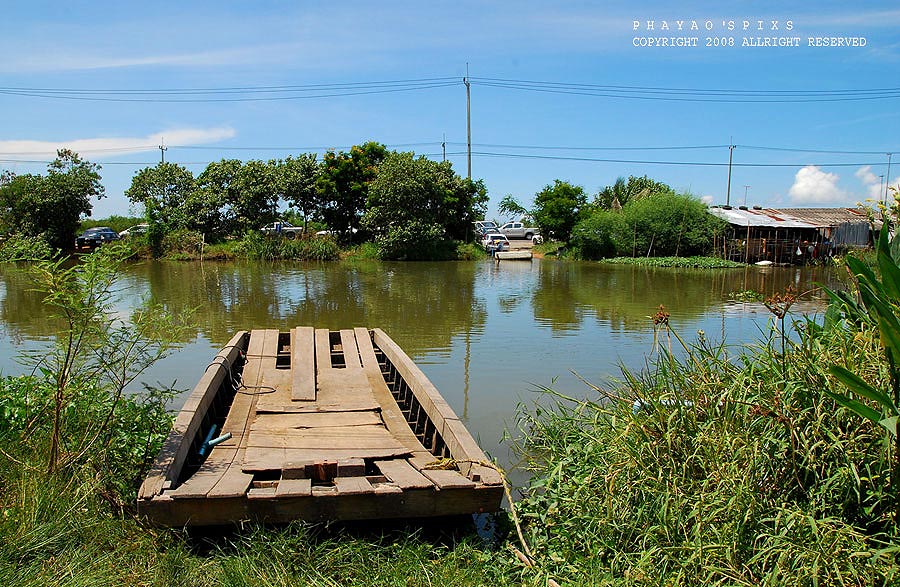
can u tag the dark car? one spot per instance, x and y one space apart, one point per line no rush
92 238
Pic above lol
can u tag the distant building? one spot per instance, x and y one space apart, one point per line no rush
790 235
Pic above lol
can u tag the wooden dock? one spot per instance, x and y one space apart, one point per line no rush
317 425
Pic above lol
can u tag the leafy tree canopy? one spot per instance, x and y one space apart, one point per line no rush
558 207
296 178
162 191
615 196
343 185
409 190
52 204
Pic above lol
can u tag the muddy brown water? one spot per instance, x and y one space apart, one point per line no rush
487 335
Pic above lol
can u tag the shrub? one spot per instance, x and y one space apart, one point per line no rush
261 247
663 224
17 248
415 241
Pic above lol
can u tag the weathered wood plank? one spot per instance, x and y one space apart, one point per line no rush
210 472
303 364
351 351
390 411
261 493
351 468
171 457
323 352
353 485
362 437
294 488
234 482
447 479
304 420
275 459
431 401
403 474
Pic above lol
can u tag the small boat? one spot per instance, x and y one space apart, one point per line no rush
519 255
316 425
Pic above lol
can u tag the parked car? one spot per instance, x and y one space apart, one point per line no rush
495 242
136 230
283 228
92 238
518 230
483 227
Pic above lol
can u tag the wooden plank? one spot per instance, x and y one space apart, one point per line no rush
485 475
276 459
403 474
303 364
234 482
428 396
351 468
303 420
170 460
447 479
362 437
353 485
463 447
393 417
261 493
210 472
270 344
294 488
351 351
323 352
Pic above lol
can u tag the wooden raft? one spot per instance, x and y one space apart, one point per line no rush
320 425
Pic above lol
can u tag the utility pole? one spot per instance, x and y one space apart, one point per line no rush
468 121
444 148
162 151
888 179
730 155
746 187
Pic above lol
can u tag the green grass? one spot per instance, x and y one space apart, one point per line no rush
680 262
735 469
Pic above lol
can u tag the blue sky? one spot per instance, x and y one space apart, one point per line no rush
523 138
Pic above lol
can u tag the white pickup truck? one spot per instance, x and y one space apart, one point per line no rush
282 228
518 230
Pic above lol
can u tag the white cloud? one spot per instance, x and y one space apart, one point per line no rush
118 145
708 200
814 186
872 182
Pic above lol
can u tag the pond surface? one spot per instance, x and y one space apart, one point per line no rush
486 335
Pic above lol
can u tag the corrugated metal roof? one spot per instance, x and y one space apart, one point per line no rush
826 217
766 217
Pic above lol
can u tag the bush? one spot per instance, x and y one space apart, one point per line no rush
180 244
17 248
415 241
663 224
261 247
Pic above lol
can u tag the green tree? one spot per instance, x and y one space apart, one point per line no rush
164 188
343 185
663 224
620 193
557 208
235 197
53 204
417 192
296 179
510 207
163 191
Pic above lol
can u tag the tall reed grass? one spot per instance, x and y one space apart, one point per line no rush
715 467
